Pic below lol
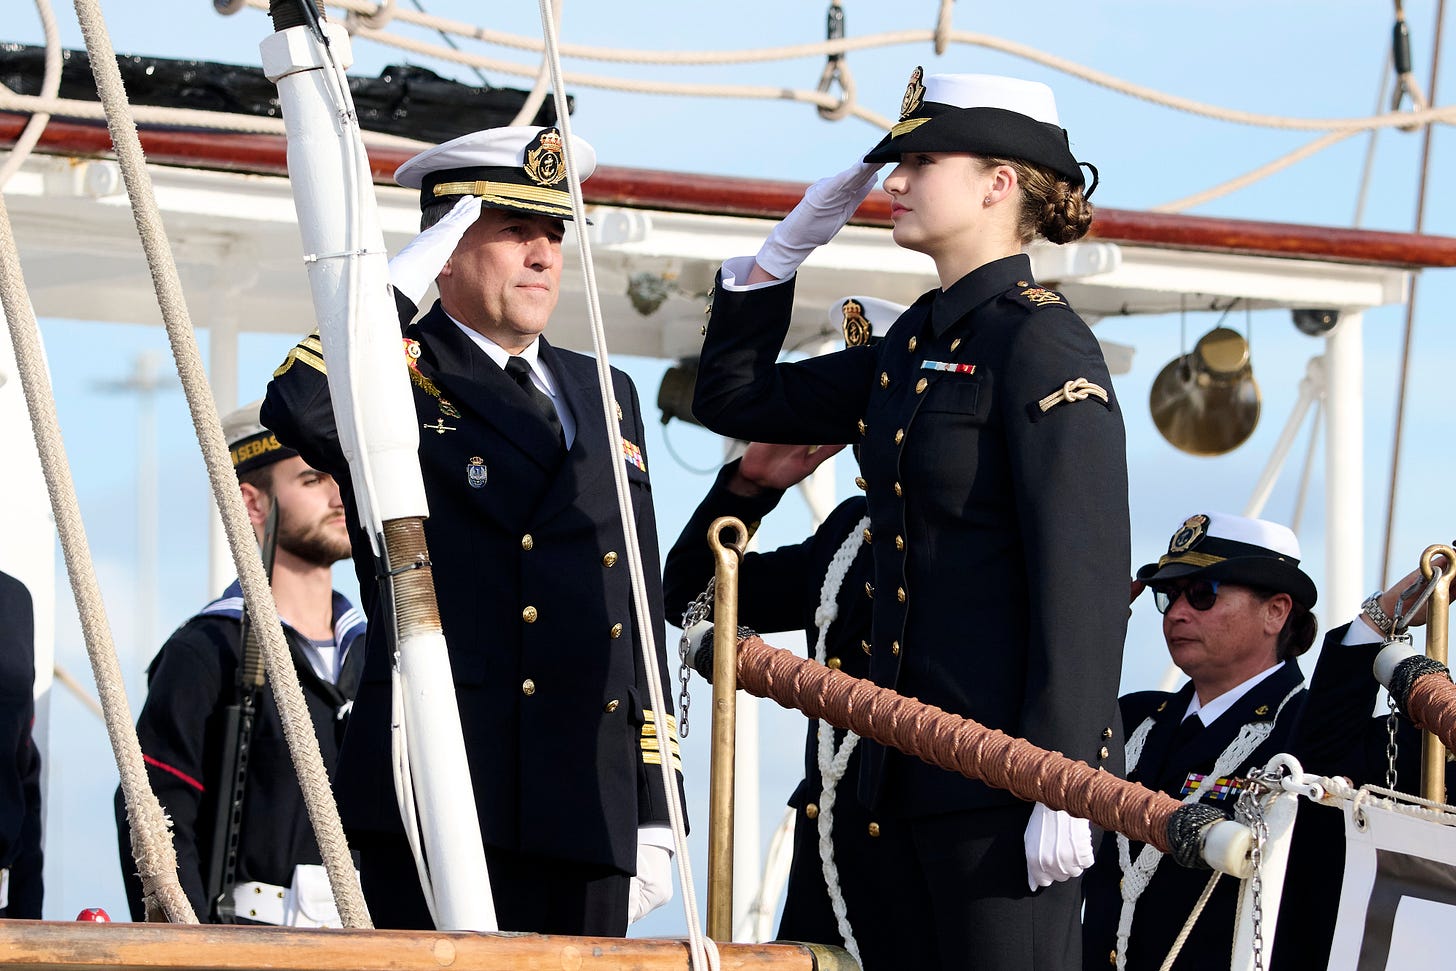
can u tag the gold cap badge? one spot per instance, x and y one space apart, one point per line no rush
856 326
545 163
1188 534
914 93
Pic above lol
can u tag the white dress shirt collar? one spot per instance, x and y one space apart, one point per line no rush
1210 712
541 375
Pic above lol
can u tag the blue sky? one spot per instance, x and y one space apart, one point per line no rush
1302 58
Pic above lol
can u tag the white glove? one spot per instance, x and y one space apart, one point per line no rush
1058 847
652 886
825 208
415 267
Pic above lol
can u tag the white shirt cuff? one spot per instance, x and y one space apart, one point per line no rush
738 268
656 834
1361 632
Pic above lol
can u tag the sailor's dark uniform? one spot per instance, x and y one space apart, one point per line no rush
780 590
1168 757
994 464
190 684
530 570
20 818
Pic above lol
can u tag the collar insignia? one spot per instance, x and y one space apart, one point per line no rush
856 325
914 94
545 163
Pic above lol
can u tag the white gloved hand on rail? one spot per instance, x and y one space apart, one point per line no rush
1058 847
652 884
415 267
825 208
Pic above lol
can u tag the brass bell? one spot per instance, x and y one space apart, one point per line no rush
1207 402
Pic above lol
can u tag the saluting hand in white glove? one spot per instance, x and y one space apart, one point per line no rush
415 267
825 208
1058 847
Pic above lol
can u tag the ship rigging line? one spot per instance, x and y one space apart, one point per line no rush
1410 312
257 594
50 85
698 944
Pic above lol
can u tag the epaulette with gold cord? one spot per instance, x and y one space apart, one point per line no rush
308 351
651 745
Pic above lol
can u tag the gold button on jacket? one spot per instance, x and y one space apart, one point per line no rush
529 615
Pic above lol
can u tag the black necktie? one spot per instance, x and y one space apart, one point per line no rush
1187 730
518 369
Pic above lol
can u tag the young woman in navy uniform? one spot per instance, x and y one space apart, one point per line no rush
993 461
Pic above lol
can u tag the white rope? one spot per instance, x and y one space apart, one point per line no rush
49 85
1137 875
156 859
537 97
68 681
696 941
1193 916
1258 174
257 595
867 42
173 117
834 760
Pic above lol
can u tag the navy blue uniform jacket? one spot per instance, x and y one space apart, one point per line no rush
20 836
1173 890
531 576
190 683
779 590
1000 531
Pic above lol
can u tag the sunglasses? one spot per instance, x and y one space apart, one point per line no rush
1201 595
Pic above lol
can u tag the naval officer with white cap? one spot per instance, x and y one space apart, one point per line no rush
528 553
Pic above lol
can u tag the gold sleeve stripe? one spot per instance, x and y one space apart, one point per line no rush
650 725
652 758
300 353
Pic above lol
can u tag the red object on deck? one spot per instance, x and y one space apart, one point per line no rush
94 914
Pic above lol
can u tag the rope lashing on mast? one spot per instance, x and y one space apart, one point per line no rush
961 745
257 594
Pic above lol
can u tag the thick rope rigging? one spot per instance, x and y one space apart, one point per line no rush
156 859
258 596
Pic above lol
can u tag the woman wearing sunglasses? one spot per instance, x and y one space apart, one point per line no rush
994 464
1236 614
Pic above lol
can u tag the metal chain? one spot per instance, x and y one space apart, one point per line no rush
1392 747
1252 812
698 611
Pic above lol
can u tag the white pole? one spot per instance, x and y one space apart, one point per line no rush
147 384
1344 469
222 367
378 434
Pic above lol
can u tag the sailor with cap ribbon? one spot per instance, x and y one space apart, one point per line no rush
999 526
194 679
1236 615
528 556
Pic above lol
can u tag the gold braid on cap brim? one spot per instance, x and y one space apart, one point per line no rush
552 201
1193 559
907 126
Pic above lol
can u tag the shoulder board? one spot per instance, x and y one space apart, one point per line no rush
1034 297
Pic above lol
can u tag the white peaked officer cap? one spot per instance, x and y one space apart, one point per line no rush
1030 98
983 114
861 318
1222 546
518 169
